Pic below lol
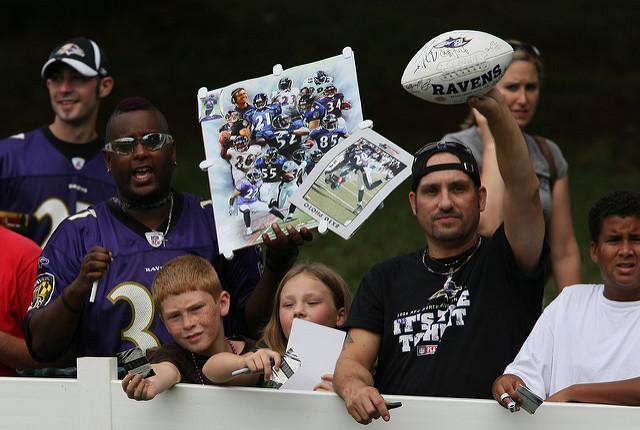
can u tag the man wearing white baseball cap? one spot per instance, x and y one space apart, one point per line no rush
57 170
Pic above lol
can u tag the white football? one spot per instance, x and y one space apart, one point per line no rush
456 65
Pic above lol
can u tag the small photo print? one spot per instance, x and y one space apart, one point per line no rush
263 136
289 365
134 360
352 180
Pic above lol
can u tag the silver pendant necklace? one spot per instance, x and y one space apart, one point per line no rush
166 230
449 285
157 238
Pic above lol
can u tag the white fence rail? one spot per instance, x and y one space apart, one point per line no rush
95 401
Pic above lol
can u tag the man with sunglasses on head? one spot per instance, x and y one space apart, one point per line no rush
446 319
55 171
120 244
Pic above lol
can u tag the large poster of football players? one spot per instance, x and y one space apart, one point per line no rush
352 180
263 136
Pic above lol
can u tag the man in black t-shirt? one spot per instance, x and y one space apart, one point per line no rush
446 319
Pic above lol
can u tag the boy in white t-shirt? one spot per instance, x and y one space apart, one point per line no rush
585 346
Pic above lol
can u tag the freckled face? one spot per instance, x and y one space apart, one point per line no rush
194 319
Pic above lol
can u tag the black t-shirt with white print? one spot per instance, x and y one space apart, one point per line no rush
448 341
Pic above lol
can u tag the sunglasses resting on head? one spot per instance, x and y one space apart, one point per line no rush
518 45
467 162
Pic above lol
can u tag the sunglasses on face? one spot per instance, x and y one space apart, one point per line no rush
151 142
524 46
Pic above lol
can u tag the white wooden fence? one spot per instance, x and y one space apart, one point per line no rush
95 401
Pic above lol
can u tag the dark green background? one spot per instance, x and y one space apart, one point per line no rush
165 51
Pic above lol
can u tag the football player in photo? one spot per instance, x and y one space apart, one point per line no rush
329 134
335 103
240 98
261 118
246 197
234 127
313 158
291 173
241 157
317 83
288 136
287 96
270 166
210 103
301 157
310 111
356 159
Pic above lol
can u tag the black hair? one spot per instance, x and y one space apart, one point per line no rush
131 104
621 203
234 93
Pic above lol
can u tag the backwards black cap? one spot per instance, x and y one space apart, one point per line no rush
467 162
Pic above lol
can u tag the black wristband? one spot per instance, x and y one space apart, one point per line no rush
280 263
67 305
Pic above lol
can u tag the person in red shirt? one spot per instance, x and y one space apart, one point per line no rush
18 267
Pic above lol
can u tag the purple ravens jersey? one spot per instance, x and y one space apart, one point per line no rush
296 123
124 314
248 192
271 170
357 157
44 180
333 104
315 112
287 142
261 121
310 164
325 139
